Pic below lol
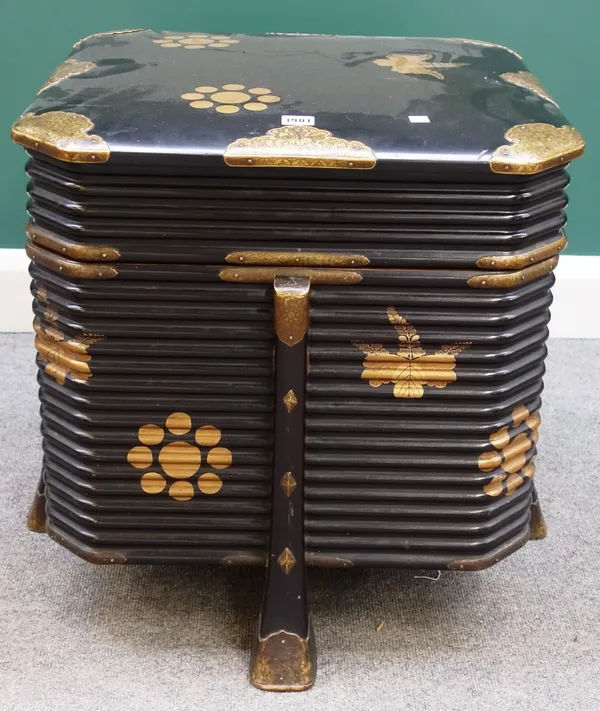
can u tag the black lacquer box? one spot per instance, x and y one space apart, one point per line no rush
291 300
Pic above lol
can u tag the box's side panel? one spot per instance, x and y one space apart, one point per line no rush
422 426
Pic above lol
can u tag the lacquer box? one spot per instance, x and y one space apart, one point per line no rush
291 300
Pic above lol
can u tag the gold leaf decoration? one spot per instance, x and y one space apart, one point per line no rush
509 454
103 34
176 462
69 68
410 369
534 147
482 43
416 64
51 314
41 294
299 147
527 80
63 356
62 135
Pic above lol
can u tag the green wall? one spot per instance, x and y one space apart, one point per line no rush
558 39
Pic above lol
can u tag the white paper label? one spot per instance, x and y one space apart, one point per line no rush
419 119
297 120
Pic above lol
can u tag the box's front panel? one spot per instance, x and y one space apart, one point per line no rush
422 400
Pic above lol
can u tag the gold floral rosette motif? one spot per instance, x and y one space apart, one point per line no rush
177 463
510 454
410 369
196 40
416 64
230 98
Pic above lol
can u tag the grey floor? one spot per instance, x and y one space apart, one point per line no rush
522 635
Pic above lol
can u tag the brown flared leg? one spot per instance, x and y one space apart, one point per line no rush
36 520
537 523
284 657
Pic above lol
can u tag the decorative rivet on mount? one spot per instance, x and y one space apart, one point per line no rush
290 400
286 560
288 484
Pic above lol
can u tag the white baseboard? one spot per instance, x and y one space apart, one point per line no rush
576 293
15 297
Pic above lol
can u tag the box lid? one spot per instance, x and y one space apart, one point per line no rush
193 100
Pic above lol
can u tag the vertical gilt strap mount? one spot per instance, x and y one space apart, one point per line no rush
292 317
284 658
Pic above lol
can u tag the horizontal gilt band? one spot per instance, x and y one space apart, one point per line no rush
296 259
84 252
266 275
66 266
525 259
507 280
